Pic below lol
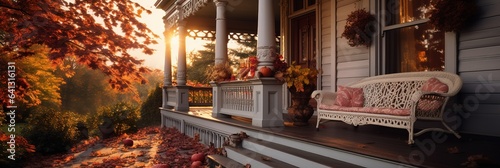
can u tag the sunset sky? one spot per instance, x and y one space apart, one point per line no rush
155 23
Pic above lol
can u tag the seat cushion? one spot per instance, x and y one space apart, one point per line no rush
373 110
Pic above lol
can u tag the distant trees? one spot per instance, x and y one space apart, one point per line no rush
98 33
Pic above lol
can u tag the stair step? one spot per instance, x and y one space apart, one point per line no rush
245 156
221 161
293 156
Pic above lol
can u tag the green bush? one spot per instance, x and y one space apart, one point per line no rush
22 149
52 131
122 117
150 113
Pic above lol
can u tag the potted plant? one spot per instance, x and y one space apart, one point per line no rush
300 82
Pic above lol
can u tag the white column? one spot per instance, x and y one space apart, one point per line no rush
181 57
266 42
167 69
182 90
221 33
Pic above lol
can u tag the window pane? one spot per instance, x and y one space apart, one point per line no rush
311 2
403 11
414 48
298 5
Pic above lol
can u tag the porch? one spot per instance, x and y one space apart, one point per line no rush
337 143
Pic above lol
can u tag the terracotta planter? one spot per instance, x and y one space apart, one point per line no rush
301 111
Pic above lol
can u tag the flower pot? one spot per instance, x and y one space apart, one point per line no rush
301 111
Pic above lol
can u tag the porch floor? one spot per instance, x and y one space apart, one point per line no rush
432 149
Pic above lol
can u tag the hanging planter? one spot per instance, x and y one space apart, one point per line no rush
359 28
452 15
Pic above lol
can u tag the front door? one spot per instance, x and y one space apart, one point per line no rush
303 45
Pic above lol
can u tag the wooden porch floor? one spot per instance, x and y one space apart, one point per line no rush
431 149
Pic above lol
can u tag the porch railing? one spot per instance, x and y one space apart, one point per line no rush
200 96
257 99
235 98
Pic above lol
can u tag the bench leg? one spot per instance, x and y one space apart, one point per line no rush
317 124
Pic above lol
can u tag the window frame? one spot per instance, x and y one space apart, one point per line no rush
378 64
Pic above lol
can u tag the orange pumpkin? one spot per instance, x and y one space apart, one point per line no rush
266 71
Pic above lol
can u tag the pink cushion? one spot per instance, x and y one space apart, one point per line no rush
349 97
429 105
373 110
343 96
434 85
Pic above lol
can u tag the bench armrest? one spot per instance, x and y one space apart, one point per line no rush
419 94
324 97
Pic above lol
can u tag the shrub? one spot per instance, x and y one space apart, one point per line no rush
52 131
121 117
23 149
150 113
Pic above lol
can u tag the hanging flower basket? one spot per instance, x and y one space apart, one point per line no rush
452 15
358 29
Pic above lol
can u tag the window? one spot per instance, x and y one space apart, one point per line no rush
410 42
300 5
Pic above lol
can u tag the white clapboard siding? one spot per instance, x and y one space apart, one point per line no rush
326 44
352 62
479 68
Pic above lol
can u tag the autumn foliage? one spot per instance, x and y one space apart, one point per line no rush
99 33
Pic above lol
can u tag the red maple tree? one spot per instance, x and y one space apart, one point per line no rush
99 33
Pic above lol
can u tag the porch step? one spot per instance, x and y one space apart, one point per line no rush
292 155
254 159
223 162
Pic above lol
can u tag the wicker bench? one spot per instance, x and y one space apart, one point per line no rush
393 100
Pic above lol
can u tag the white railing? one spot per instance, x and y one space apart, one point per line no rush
237 99
257 99
206 136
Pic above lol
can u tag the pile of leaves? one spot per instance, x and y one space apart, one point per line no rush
175 149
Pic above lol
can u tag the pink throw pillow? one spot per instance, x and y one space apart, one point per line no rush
434 85
357 98
349 97
343 97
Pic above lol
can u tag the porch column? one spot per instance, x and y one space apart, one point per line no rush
167 69
266 42
221 38
267 92
182 92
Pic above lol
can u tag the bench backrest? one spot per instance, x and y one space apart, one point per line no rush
396 90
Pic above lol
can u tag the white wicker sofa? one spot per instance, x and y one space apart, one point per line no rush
393 100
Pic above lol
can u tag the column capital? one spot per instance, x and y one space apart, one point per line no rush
220 2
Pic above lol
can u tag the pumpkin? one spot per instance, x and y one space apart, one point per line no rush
266 71
128 142
196 164
197 157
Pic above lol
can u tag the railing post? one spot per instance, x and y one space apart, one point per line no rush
182 101
216 100
267 93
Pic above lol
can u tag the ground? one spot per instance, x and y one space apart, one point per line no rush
152 146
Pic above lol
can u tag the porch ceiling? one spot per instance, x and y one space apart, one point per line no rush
242 15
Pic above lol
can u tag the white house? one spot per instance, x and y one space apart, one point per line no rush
309 32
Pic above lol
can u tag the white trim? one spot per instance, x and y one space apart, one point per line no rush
450 52
333 32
